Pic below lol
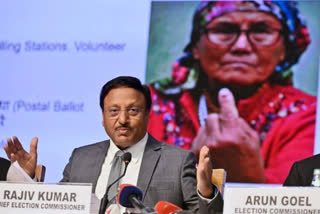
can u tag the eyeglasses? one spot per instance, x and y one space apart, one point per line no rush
131 112
258 35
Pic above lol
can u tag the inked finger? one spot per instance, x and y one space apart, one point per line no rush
228 108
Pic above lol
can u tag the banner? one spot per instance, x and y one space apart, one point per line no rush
271 200
44 198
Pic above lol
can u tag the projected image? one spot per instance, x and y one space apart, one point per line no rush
239 77
53 68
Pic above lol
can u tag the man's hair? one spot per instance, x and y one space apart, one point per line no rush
128 82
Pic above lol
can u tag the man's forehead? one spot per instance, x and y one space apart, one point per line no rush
124 96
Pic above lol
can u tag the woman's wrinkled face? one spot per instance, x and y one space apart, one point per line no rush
241 48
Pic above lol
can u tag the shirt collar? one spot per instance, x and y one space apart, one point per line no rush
136 150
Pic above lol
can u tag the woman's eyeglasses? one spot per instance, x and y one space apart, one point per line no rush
258 35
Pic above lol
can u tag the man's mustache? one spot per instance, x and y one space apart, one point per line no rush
125 126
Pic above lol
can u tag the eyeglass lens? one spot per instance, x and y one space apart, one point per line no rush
258 34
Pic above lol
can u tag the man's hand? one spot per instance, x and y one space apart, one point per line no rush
204 173
15 152
234 145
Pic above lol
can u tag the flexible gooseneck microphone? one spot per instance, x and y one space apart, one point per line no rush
126 157
130 196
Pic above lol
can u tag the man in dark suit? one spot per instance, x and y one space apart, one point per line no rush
162 171
301 172
4 166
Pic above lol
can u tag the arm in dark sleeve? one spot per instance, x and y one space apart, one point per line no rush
67 169
189 183
192 200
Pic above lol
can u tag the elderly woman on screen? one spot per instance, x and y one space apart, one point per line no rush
232 90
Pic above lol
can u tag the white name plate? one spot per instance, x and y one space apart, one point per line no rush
271 200
39 198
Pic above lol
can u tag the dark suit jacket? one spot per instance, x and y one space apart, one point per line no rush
167 173
4 166
301 172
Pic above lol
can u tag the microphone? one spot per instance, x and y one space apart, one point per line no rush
165 207
130 196
126 157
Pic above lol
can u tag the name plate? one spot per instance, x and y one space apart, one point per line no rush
39 198
271 200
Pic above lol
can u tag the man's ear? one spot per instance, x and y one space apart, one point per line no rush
102 122
147 117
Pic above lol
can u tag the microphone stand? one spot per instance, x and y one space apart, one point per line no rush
105 201
140 206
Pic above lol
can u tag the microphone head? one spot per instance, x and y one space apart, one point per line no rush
126 157
165 207
127 190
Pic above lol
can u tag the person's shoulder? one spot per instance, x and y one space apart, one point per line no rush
291 91
93 146
171 149
313 161
297 105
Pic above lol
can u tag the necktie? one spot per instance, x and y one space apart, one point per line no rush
114 174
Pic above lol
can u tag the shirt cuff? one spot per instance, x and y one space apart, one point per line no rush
208 200
17 174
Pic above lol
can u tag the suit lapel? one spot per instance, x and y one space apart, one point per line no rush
99 160
149 163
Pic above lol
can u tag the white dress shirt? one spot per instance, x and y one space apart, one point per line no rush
133 169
